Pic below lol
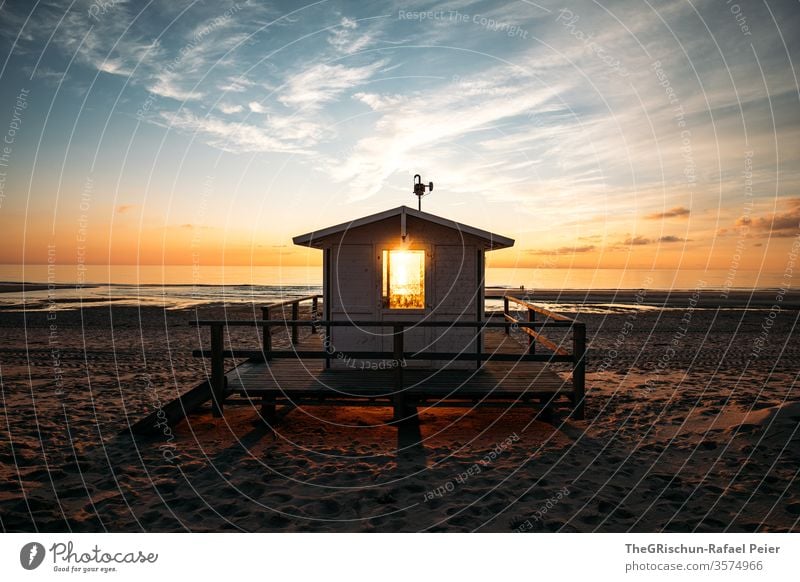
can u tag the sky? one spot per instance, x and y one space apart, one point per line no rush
596 134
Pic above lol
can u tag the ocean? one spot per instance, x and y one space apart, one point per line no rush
181 286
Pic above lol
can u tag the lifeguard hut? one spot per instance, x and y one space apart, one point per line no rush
399 265
403 322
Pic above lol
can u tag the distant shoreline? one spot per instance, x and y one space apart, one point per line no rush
17 286
705 298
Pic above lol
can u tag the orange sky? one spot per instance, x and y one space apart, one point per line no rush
762 243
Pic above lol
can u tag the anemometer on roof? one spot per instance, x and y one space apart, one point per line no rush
419 189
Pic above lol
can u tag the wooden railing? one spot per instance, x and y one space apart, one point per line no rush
294 304
219 353
551 319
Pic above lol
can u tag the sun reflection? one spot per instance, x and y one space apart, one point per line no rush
404 279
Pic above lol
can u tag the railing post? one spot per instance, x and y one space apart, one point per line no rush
267 332
531 339
398 399
314 306
505 314
478 345
295 317
327 346
579 372
217 369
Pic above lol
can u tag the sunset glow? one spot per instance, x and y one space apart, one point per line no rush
215 138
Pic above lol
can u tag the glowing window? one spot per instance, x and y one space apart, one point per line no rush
404 279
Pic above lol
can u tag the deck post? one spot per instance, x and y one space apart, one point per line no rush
267 330
314 315
505 314
579 372
217 370
478 345
295 317
531 339
398 399
268 408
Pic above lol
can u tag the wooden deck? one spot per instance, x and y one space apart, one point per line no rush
308 381
508 370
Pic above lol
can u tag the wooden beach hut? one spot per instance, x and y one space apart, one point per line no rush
401 265
402 321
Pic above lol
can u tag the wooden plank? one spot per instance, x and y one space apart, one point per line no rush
498 356
312 298
546 342
308 381
538 309
172 412
292 379
217 370
579 372
561 322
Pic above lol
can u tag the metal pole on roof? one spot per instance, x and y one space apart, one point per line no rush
419 189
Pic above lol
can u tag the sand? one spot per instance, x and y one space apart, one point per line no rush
702 438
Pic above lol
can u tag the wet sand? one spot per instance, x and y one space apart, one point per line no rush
693 430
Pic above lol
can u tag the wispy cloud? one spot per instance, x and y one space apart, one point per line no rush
676 212
347 38
410 128
779 224
636 241
322 83
233 136
563 250
230 109
169 85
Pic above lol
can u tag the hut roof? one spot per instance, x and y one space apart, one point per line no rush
494 241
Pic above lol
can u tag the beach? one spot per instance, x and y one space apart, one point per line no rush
692 419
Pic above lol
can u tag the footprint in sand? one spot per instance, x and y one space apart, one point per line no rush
591 519
325 508
386 498
253 490
461 520
278 499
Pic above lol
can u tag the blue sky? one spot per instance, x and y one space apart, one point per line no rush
595 133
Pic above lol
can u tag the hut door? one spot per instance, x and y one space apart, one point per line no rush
352 292
457 290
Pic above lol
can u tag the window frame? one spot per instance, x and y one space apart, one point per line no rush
385 279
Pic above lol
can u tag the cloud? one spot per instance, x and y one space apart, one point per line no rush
322 83
235 85
123 208
421 129
780 224
256 107
636 241
379 102
234 136
670 238
168 85
563 250
678 211
230 109
346 39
